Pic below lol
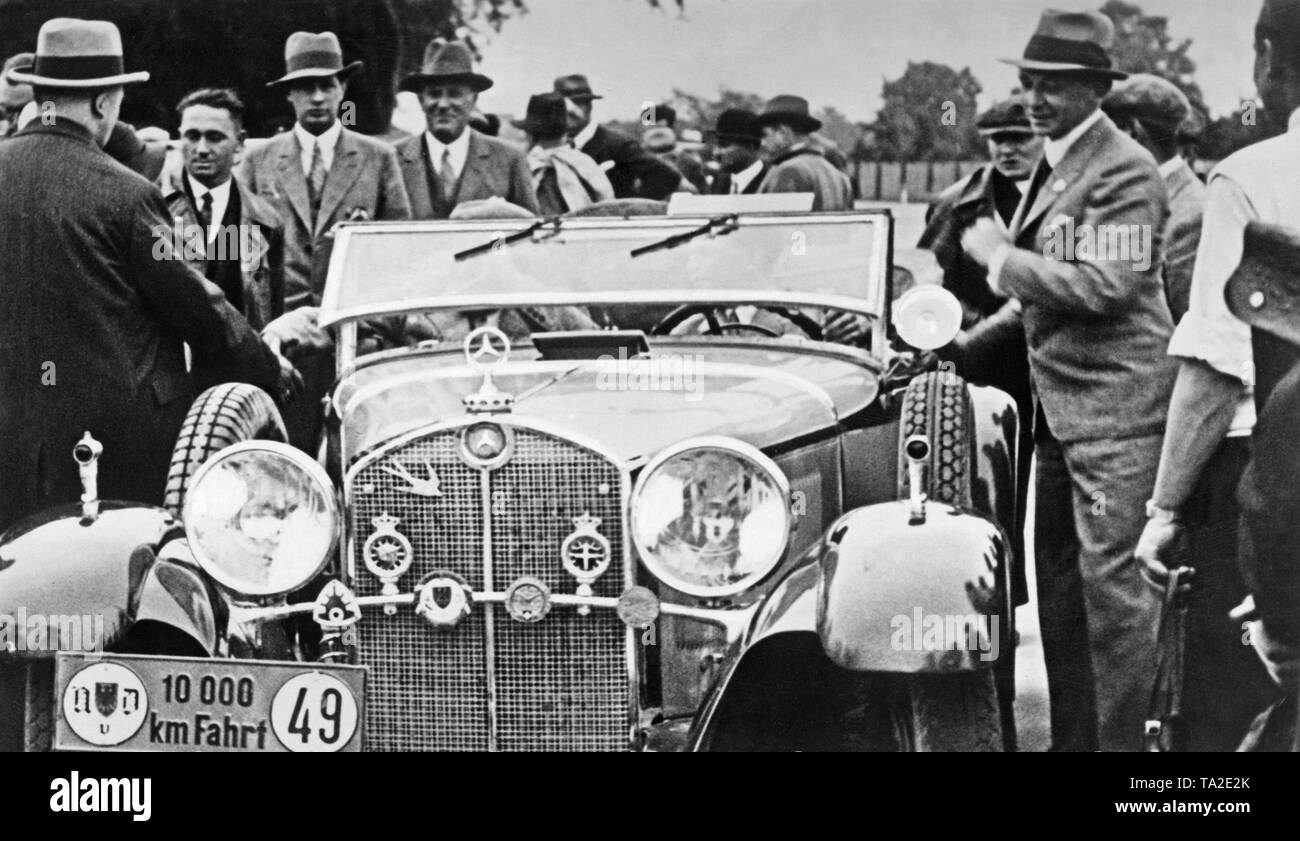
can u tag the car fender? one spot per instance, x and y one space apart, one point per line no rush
106 570
903 594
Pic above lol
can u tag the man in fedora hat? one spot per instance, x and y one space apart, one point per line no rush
96 306
736 141
797 165
565 179
450 162
634 172
1152 110
316 175
1222 422
1096 323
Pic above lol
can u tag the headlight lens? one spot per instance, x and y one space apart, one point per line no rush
711 516
261 518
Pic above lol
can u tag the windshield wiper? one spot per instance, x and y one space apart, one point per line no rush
715 227
499 242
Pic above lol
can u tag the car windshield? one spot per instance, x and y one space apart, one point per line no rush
829 260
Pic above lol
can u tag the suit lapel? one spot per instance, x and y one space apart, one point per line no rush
343 172
415 176
292 180
1068 171
476 162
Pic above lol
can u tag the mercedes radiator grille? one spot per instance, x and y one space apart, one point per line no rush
492 509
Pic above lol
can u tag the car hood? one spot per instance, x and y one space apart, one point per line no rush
766 398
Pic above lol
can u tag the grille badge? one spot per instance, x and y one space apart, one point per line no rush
429 486
445 599
586 555
388 555
528 600
486 445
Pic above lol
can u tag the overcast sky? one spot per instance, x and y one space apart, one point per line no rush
834 52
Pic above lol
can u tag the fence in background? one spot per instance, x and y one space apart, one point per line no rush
918 182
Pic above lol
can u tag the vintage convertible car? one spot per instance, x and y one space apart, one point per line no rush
707 529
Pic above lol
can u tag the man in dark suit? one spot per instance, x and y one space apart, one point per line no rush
736 141
316 175
234 237
1082 259
1151 110
798 166
96 305
451 163
633 172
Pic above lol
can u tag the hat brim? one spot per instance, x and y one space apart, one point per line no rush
580 97
16 75
989 132
538 127
414 82
1065 67
317 73
798 122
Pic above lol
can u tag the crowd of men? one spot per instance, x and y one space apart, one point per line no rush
1136 384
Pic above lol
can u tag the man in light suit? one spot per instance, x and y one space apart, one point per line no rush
1097 326
1151 110
451 163
316 175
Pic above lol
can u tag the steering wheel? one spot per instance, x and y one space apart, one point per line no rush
716 328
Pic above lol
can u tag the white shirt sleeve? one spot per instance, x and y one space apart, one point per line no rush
1209 331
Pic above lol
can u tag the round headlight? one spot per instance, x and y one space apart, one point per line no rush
711 516
261 518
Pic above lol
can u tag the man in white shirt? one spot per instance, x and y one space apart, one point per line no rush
1213 412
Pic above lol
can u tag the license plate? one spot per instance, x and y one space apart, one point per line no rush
145 703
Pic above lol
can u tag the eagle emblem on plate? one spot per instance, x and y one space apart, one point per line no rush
444 599
336 607
586 555
528 600
388 554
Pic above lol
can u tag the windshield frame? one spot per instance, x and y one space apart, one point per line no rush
333 313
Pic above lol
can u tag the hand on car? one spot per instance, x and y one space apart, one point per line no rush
291 384
846 328
982 240
297 333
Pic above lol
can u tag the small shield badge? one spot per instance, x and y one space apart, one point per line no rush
106 698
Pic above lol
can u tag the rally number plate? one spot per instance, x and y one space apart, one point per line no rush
144 703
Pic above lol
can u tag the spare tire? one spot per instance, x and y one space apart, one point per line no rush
946 712
223 415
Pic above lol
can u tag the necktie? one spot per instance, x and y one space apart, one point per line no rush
447 176
1040 178
316 179
735 186
205 215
